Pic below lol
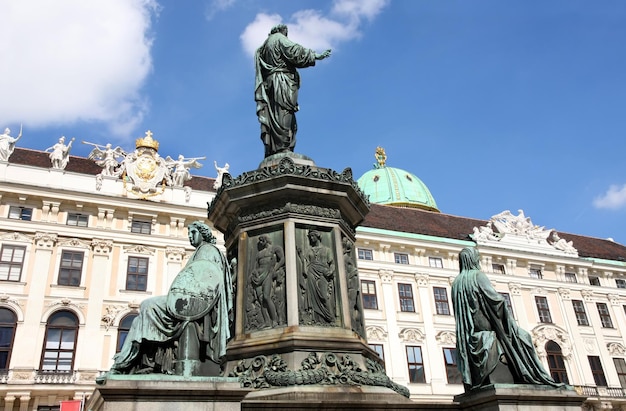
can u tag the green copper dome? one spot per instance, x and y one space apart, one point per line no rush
395 187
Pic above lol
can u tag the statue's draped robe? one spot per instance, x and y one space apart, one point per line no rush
276 90
486 329
319 284
156 323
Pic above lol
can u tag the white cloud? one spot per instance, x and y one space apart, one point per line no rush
613 199
312 28
75 60
217 6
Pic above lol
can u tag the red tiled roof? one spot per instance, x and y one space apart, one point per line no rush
416 221
85 166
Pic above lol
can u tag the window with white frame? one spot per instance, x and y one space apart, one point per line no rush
20 213
77 219
11 262
368 294
137 274
452 371
543 310
594 280
498 268
415 362
365 254
605 315
60 343
405 294
8 324
442 306
571 278
436 262
401 258
597 371
509 304
535 272
71 268
620 283
141 226
580 312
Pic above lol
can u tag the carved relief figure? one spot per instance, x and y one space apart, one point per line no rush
318 277
60 153
354 287
7 143
276 88
266 276
197 307
491 348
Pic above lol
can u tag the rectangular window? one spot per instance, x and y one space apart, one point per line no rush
498 268
137 274
77 219
379 350
543 310
597 371
571 278
405 292
441 301
593 280
368 294
620 367
436 262
11 262
365 254
416 364
535 272
605 316
141 226
452 371
401 258
620 283
581 314
509 305
71 268
20 213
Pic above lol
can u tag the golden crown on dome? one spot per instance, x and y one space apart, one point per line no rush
147 141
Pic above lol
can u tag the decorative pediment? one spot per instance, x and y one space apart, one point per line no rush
446 337
73 242
508 230
616 348
544 333
139 249
18 237
376 333
411 335
45 240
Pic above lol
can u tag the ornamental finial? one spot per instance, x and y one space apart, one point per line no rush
381 157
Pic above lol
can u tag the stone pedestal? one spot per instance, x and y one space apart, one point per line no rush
158 392
290 225
520 397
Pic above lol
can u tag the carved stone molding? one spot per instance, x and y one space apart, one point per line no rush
616 348
515 288
73 242
101 246
614 299
175 254
110 314
564 293
539 291
139 249
17 237
45 240
446 337
376 333
590 345
422 279
385 276
587 295
544 333
411 335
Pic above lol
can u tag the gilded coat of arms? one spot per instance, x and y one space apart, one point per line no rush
144 169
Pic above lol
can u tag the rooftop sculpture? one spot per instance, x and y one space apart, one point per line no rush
60 153
7 143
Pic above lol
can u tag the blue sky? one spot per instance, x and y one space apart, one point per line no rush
494 105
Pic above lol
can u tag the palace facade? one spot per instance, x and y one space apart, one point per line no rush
80 250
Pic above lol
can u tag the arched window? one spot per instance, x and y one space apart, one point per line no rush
122 330
60 343
8 322
556 362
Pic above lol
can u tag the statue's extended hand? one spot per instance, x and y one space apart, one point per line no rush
324 55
